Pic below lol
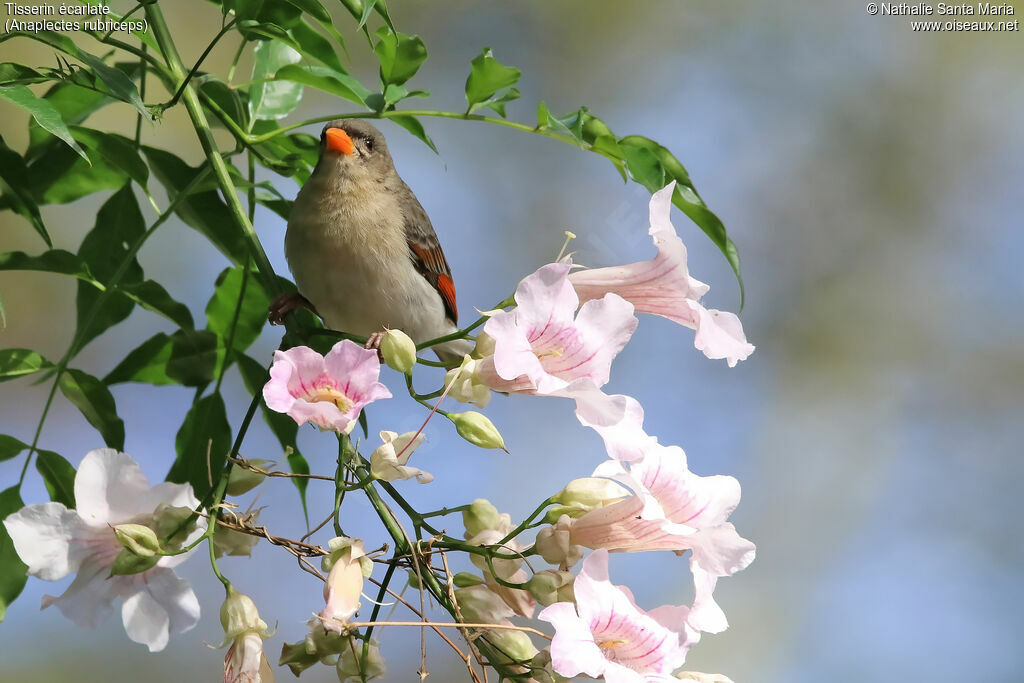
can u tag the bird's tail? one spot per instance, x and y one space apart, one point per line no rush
453 351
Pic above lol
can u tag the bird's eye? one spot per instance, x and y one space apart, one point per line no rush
369 144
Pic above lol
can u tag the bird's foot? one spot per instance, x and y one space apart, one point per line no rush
285 304
373 342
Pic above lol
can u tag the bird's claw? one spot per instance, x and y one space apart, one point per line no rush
373 342
285 304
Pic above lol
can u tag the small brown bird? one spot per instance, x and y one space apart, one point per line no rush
361 248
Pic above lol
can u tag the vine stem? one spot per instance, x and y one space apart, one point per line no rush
434 113
220 167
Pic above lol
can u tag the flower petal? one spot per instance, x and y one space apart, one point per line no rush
43 536
573 651
87 601
107 487
145 620
545 298
720 335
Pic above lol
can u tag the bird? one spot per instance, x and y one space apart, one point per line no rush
362 249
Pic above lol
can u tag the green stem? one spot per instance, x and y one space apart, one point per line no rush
199 62
515 125
220 168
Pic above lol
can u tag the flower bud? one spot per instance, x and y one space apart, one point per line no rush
516 646
554 546
127 563
551 586
138 539
702 677
478 604
238 615
477 429
242 479
466 387
465 580
583 495
344 583
350 663
590 492
484 346
235 543
481 516
399 351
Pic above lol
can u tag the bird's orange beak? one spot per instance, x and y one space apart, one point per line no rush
339 141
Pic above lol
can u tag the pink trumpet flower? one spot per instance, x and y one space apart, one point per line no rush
663 286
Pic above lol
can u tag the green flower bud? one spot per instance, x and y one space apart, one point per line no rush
238 615
465 580
138 539
484 346
399 351
127 563
551 586
480 516
477 429
590 493
242 479
515 645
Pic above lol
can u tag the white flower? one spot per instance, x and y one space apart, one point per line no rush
388 461
245 661
110 489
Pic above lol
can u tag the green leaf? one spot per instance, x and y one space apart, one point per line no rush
74 103
11 72
313 8
147 363
255 376
44 113
151 295
19 362
194 357
487 77
400 55
117 82
96 404
273 99
202 444
52 261
414 126
231 101
644 167
205 211
119 224
10 447
546 121
13 177
315 45
116 150
328 80
13 572
362 9
59 477
59 176
252 315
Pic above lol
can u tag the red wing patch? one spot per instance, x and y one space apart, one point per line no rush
431 263
446 287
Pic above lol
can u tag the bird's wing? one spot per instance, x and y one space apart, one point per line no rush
426 254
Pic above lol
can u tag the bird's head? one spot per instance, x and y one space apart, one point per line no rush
355 149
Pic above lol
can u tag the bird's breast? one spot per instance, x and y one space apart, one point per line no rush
349 256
